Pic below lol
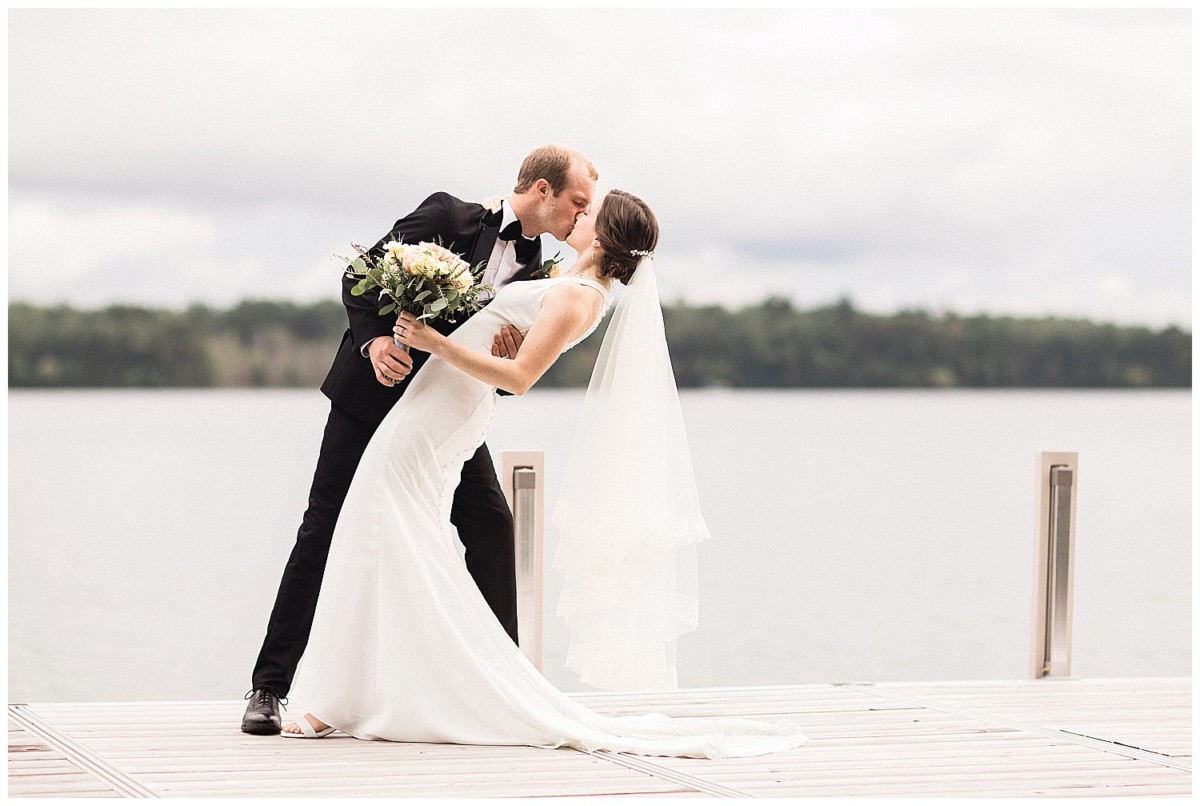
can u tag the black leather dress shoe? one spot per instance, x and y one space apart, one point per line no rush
262 714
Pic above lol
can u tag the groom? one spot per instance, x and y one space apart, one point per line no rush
369 374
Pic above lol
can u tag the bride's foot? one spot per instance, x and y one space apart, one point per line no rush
317 725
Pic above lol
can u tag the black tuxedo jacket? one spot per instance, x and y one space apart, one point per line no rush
466 228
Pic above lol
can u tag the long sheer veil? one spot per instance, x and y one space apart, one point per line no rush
629 515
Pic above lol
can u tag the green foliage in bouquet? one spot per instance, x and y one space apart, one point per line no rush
425 279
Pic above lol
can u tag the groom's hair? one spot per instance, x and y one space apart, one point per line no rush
552 163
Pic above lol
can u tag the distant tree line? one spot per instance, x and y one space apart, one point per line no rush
771 344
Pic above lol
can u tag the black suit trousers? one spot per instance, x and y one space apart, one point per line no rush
480 513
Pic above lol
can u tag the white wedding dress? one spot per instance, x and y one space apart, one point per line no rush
403 645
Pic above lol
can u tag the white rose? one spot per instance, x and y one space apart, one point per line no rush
394 250
463 280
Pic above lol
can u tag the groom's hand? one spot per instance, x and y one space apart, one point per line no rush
507 342
391 363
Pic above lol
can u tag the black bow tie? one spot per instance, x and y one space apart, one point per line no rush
525 247
512 232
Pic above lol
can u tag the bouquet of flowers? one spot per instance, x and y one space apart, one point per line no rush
425 279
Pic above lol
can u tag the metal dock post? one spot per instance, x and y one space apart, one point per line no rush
522 476
1053 594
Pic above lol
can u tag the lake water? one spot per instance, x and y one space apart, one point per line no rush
857 535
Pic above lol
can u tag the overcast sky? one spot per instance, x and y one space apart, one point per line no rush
1024 162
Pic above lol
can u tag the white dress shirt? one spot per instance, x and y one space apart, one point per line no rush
502 264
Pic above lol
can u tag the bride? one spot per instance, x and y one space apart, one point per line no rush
403 645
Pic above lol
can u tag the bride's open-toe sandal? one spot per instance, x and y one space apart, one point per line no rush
307 731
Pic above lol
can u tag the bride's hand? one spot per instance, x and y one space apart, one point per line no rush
416 334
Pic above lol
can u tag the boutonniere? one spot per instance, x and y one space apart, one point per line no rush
550 268
492 203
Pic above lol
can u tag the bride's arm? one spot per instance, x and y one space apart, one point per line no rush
566 313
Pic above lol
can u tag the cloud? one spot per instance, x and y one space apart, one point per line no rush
56 251
946 156
97 250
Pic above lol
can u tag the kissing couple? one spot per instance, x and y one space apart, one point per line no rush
390 631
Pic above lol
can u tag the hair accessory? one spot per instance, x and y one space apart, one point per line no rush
642 252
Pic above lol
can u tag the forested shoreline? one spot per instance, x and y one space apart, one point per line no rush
772 344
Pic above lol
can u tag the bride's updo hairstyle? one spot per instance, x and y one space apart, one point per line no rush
625 225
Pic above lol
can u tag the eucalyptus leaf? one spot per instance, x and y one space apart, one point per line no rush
386 309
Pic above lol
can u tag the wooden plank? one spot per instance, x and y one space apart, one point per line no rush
1155 717
36 769
860 744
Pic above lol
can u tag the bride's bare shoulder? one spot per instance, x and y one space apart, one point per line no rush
575 304
576 295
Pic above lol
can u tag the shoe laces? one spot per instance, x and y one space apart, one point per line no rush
266 692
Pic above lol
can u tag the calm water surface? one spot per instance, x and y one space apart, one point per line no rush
858 535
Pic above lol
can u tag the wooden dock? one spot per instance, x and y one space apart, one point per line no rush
1070 738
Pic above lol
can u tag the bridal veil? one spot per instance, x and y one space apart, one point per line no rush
629 516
